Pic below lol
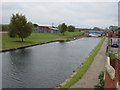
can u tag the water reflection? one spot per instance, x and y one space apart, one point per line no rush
20 58
19 61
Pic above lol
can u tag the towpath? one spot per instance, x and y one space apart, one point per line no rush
90 79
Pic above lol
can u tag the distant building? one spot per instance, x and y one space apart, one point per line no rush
113 27
89 29
114 33
83 29
45 29
97 28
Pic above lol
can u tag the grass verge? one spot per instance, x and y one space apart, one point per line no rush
35 38
84 67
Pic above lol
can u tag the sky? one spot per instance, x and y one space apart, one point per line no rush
79 14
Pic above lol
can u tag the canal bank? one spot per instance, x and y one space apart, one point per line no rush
85 69
22 47
57 40
34 38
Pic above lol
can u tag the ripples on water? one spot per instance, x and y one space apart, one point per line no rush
44 66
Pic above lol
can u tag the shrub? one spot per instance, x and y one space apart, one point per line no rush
112 56
101 81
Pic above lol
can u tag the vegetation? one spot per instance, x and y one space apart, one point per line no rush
85 66
101 81
19 27
35 38
71 28
112 56
77 30
62 27
4 27
35 25
101 78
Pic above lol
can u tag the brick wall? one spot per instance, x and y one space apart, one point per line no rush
109 83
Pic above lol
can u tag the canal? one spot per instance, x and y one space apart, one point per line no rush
44 66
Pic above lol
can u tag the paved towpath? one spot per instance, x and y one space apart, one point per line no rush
90 79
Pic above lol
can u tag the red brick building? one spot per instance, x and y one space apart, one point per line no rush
45 29
114 33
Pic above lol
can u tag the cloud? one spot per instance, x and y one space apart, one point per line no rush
80 14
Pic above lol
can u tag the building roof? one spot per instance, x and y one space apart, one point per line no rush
44 25
54 28
47 28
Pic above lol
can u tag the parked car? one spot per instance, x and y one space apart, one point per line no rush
114 42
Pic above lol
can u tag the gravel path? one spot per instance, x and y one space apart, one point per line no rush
90 79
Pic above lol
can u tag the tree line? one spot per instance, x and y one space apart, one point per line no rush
19 27
63 28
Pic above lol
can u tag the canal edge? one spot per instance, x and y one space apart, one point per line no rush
26 46
79 67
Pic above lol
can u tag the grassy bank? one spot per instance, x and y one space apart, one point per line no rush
35 38
84 67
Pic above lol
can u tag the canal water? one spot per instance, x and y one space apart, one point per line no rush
44 66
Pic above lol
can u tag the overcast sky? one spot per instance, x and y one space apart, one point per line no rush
79 14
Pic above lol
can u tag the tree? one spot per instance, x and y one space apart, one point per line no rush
35 25
62 27
71 28
19 27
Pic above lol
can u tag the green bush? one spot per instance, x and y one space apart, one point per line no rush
112 56
101 75
101 81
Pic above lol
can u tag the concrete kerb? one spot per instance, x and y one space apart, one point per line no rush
12 49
